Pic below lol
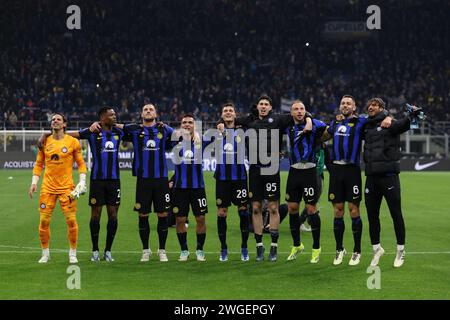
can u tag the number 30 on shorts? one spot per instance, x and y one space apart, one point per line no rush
309 192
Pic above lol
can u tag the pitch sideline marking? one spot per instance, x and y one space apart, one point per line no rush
31 249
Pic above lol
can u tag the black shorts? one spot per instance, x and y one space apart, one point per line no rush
104 192
229 191
263 186
345 184
196 198
152 190
303 184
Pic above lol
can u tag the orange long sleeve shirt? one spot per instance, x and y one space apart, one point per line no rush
58 157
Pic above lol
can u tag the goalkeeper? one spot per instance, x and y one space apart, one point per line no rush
58 155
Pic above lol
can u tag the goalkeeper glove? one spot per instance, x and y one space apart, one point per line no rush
80 189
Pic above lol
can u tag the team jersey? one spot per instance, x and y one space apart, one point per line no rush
188 165
271 122
150 145
105 152
58 157
231 165
347 136
303 146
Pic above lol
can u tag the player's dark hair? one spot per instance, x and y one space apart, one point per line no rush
378 101
228 104
265 97
188 115
63 117
103 110
150 104
349 96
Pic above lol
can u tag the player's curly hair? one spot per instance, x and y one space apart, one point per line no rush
378 101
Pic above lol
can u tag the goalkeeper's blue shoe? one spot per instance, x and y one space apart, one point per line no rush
223 255
260 253
244 254
273 253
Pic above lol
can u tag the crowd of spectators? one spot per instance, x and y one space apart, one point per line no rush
191 56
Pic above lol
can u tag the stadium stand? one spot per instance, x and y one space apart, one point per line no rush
191 56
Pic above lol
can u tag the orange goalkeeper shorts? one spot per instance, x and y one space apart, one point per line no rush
47 202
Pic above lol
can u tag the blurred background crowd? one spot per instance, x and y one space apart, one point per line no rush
192 56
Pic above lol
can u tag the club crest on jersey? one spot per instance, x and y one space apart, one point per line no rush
160 135
116 138
332 196
93 201
287 196
250 194
219 201
137 206
379 128
238 139
43 206
175 209
270 120
64 150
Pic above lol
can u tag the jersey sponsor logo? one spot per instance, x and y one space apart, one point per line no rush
228 148
54 157
188 154
420 167
150 145
109 147
342 131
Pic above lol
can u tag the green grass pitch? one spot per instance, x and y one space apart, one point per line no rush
425 274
